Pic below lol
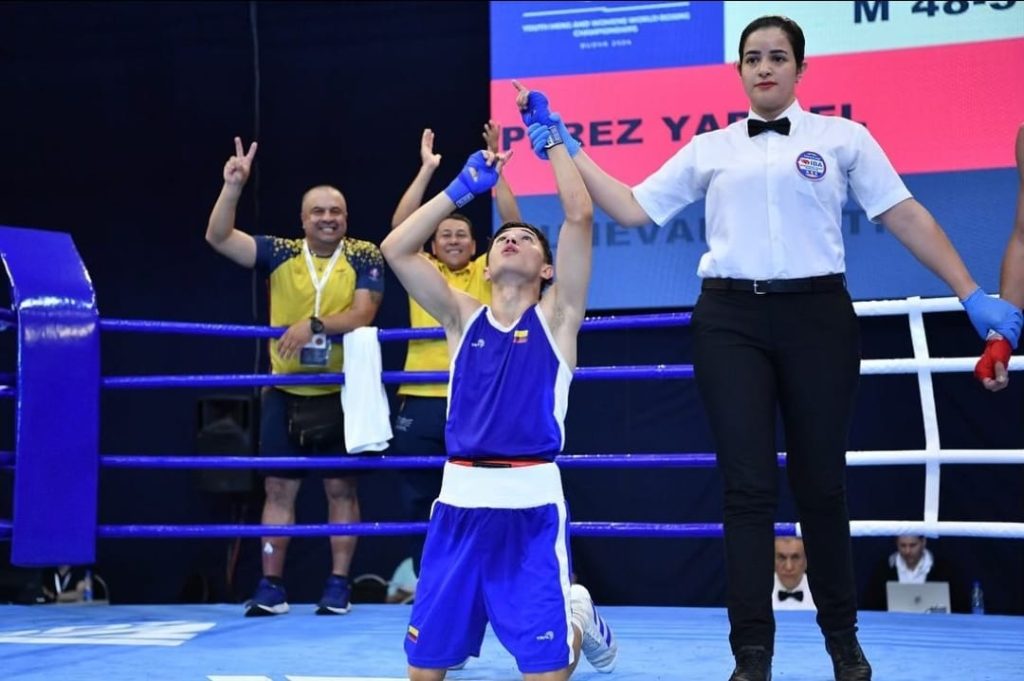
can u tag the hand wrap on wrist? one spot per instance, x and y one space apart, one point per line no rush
543 137
475 178
996 350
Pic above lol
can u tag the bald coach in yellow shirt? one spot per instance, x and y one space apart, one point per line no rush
321 285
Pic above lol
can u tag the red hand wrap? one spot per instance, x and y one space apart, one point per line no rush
996 350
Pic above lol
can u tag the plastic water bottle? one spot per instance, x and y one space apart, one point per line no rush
87 587
977 599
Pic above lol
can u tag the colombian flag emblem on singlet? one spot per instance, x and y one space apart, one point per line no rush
520 336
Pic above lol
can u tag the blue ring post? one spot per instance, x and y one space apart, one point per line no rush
56 458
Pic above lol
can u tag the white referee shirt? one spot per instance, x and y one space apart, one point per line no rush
774 202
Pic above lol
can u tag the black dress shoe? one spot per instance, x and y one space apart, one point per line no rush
848 659
753 663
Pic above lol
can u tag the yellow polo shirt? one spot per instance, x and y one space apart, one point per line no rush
292 295
432 355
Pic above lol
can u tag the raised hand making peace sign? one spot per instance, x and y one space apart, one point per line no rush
236 170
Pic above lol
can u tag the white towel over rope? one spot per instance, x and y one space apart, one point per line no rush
367 414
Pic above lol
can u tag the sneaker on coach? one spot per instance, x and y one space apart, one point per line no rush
335 600
599 646
269 599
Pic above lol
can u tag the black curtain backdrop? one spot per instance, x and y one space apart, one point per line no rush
117 119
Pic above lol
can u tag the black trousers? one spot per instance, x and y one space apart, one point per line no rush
756 355
419 429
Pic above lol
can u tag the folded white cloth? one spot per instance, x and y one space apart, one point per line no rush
367 414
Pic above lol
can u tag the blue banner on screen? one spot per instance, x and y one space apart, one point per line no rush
549 38
635 81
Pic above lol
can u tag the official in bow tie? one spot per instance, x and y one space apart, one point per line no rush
792 591
756 126
774 327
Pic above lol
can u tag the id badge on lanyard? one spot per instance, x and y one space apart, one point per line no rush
316 352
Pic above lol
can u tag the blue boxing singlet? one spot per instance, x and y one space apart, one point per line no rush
508 391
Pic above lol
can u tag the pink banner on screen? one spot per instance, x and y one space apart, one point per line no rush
933 109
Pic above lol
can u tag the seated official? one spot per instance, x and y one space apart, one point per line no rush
914 563
792 592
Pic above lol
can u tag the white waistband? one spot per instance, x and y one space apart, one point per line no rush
517 487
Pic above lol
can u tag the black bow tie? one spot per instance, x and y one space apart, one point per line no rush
798 595
756 127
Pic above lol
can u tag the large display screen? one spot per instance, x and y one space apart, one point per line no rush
937 83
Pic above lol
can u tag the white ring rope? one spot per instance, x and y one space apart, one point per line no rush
888 308
937 365
945 528
932 456
906 457
942 528
929 416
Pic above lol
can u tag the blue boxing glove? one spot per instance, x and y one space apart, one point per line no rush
475 178
544 137
991 314
537 109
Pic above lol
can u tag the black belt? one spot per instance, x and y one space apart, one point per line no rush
493 462
828 282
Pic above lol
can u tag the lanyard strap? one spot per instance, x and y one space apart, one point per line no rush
319 282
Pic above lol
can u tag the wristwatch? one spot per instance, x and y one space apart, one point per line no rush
315 325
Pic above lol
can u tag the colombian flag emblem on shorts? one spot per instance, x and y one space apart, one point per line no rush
414 633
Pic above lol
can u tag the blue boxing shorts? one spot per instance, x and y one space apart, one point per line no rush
497 550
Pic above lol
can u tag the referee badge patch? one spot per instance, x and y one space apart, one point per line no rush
811 165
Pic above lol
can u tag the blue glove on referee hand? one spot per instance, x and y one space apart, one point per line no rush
475 178
544 137
988 313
